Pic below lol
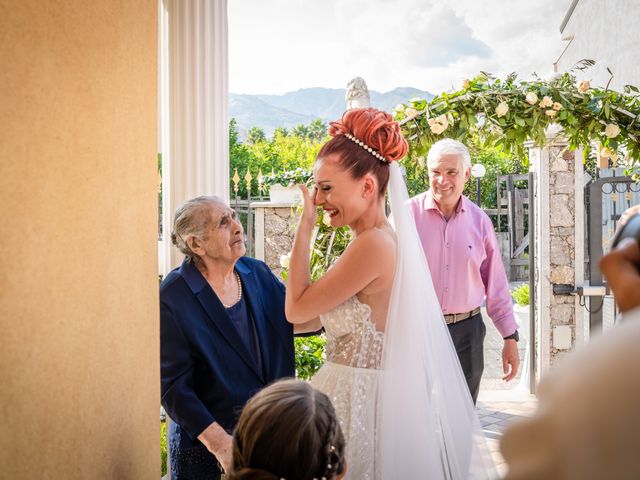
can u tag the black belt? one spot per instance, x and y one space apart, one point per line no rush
451 318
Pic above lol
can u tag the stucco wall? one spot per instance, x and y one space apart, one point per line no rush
605 31
79 363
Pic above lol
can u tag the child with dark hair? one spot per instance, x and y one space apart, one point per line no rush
288 431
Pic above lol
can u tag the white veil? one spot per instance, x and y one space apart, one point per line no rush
428 428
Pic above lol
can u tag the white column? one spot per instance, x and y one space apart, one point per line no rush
582 316
194 107
539 164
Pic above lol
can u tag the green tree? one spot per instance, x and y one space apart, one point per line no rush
240 159
317 130
280 132
280 153
300 131
255 135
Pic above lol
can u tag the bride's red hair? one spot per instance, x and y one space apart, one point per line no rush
374 128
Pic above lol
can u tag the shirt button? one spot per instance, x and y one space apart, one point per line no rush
446 267
447 244
446 289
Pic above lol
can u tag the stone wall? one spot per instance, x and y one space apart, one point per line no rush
275 230
562 234
558 204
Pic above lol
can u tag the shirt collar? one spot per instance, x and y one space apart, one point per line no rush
430 203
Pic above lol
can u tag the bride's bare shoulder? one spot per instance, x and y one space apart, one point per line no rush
378 241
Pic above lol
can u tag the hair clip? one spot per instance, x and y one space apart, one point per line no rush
366 147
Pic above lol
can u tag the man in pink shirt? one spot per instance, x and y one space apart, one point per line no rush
462 251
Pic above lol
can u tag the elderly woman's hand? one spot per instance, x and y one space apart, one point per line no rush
309 211
620 268
219 443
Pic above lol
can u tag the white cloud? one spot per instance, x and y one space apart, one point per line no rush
282 45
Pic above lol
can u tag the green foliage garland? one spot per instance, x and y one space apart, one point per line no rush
506 113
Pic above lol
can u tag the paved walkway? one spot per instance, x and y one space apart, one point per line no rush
501 403
497 409
492 377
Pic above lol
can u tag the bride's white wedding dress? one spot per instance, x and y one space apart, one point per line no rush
401 397
350 377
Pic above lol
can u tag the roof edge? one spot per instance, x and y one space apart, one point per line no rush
567 16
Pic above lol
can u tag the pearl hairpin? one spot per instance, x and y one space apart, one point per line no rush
366 147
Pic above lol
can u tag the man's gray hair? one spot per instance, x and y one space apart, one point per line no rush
193 219
449 146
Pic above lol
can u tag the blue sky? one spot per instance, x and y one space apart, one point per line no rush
276 46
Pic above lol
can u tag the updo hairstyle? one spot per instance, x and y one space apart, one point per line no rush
377 130
289 430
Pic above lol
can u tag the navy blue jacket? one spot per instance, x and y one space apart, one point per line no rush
207 372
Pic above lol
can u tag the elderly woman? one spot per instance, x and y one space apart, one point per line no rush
223 334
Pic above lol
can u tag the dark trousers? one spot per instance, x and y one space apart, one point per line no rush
193 463
468 338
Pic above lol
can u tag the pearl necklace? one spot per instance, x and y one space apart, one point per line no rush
239 291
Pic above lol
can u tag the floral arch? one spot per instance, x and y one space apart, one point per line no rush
508 112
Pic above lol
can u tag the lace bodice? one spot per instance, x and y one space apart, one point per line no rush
352 338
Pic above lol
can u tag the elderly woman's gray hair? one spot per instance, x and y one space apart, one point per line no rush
449 146
193 219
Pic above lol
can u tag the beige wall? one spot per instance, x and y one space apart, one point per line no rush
79 363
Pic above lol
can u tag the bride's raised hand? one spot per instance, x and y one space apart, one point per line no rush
309 211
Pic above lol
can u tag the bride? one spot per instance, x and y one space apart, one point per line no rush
391 369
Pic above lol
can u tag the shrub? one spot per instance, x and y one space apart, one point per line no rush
309 355
521 294
163 446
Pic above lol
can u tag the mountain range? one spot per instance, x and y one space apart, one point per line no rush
305 105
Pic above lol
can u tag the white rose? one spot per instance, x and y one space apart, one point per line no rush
612 130
399 108
551 113
532 98
415 100
502 109
284 260
326 219
546 102
438 124
583 86
411 112
606 152
557 106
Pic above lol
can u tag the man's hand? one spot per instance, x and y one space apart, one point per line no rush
218 442
510 359
620 268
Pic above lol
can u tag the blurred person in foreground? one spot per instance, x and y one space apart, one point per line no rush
288 430
587 423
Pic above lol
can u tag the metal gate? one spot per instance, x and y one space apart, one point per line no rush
606 199
513 202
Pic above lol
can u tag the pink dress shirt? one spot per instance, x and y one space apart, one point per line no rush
464 260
